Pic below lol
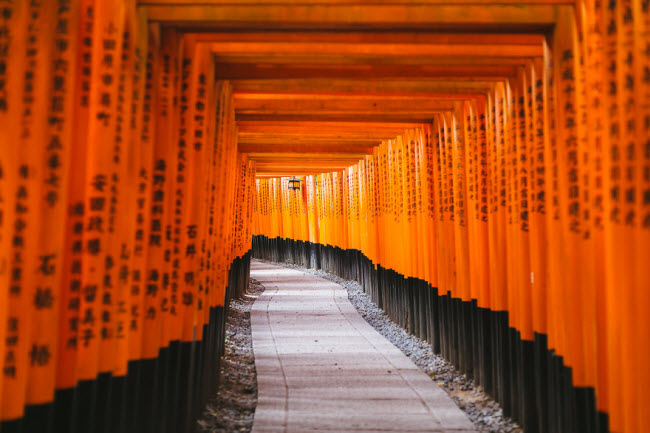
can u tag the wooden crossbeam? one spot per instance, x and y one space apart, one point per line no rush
396 87
292 103
409 16
324 48
239 71
365 59
344 128
413 118
308 2
303 148
311 139
354 42
300 156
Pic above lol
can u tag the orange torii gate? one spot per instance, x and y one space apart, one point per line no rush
482 167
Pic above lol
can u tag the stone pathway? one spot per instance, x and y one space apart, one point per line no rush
322 368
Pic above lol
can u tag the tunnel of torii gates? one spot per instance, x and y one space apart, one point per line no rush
481 167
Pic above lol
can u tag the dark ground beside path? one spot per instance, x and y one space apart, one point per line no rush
233 408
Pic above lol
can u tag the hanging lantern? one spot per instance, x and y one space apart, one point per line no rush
294 183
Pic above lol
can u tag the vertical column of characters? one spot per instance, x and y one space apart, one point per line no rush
273 208
100 199
496 216
585 251
471 168
356 220
406 205
318 208
335 217
125 155
443 265
587 151
281 193
260 208
410 186
111 42
368 209
362 204
293 214
231 164
330 208
448 149
354 186
208 255
31 262
450 142
492 189
191 144
440 194
375 202
290 210
207 105
500 179
614 239
172 104
421 249
327 206
257 209
568 70
395 188
554 295
265 206
348 197
410 215
13 25
312 200
250 209
380 186
312 221
55 169
8 30
459 173
387 183
482 185
160 136
241 186
244 186
524 143
377 169
333 210
208 97
228 191
492 192
142 125
345 210
216 194
73 256
386 204
537 192
511 206
304 219
630 154
642 77
431 200
594 303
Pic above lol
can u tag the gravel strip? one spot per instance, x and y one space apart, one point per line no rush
480 408
233 407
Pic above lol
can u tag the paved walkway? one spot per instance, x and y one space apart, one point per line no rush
322 368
